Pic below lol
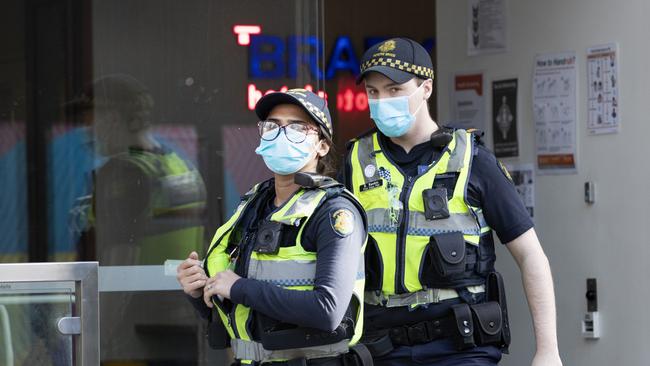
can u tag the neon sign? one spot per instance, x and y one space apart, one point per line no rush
274 57
244 32
350 100
254 95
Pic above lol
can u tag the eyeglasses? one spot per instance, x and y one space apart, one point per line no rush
270 130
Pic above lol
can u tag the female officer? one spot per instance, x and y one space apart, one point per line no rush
285 274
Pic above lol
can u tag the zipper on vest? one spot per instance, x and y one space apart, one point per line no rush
245 248
404 196
401 236
229 315
218 242
231 321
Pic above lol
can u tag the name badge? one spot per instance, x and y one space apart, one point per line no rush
371 185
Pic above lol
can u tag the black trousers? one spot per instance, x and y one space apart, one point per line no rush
440 353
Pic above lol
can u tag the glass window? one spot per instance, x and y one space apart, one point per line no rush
127 135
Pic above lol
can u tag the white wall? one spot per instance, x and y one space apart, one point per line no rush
607 240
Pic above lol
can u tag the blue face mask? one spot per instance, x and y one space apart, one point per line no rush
393 116
283 156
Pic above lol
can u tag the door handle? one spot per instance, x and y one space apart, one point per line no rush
69 325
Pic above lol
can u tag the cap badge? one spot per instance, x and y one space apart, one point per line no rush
387 46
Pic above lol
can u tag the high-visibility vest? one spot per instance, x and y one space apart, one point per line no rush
408 248
291 267
172 225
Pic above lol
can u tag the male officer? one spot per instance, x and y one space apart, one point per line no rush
433 195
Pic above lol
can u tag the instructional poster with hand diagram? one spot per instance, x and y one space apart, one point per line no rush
467 102
603 112
486 26
504 118
554 112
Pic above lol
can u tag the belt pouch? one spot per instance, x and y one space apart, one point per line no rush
447 253
488 323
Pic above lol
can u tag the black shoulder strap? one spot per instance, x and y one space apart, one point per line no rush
313 180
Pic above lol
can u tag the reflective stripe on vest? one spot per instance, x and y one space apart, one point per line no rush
291 267
419 225
428 296
250 350
379 185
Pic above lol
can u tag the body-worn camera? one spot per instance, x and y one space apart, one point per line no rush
435 203
268 238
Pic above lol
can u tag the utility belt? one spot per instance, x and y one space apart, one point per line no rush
277 340
279 337
468 326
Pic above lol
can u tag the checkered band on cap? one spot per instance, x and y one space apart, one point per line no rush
301 95
421 71
313 109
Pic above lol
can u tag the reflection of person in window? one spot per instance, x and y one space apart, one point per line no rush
147 200
147 205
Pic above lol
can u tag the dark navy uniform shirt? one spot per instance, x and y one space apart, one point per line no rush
336 270
488 188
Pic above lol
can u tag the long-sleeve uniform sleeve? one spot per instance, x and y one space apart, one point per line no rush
338 255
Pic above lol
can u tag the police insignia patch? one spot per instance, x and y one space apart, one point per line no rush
342 222
504 170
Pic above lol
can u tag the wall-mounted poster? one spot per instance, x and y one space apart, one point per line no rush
554 112
467 101
486 26
603 99
504 118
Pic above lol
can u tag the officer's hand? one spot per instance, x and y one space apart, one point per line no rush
191 275
546 359
219 285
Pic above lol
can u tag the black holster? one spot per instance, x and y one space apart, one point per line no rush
276 335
